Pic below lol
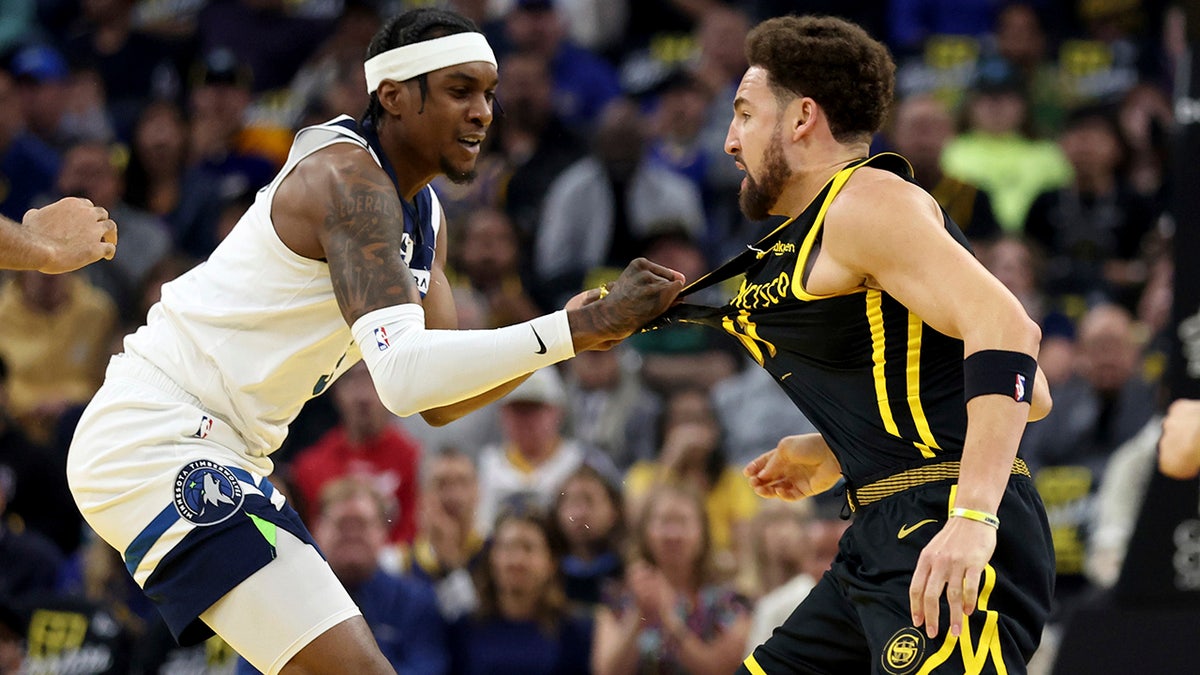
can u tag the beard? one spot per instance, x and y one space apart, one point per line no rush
458 176
759 196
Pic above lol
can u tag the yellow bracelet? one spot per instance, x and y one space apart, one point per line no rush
978 516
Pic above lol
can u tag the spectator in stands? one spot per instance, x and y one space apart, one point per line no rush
1022 44
338 60
352 530
489 259
523 625
589 519
1146 117
997 152
583 82
132 64
34 482
795 543
678 118
720 35
95 170
448 546
1118 502
670 617
157 178
367 444
603 205
610 407
12 639
43 83
1019 267
532 136
28 166
691 455
1092 229
533 458
921 128
29 562
220 164
55 339
782 543
100 616
755 413
268 36
1104 405
911 22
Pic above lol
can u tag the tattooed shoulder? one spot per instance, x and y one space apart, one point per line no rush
361 234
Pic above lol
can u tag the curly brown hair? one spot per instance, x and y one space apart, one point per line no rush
832 61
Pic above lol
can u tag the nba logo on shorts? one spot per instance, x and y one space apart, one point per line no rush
206 493
381 339
205 427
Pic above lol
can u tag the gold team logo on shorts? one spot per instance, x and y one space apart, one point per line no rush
902 654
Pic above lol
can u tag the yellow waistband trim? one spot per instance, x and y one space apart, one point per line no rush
906 480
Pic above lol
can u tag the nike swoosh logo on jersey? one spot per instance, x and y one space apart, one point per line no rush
909 529
541 345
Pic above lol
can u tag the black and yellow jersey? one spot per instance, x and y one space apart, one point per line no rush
882 387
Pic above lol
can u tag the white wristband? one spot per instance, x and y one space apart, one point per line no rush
415 369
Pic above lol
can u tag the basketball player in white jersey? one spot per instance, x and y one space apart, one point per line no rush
339 259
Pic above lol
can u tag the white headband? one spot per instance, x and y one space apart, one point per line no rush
418 58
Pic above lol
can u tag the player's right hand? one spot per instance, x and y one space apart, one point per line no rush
73 232
642 292
798 467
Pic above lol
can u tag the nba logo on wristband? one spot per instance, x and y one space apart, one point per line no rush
381 339
1019 392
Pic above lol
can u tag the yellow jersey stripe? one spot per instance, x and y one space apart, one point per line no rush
940 656
730 327
875 318
753 667
913 377
835 186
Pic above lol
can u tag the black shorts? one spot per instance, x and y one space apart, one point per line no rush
858 620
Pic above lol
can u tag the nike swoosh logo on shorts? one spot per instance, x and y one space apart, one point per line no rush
909 529
541 345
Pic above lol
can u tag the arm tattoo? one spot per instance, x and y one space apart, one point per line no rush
363 224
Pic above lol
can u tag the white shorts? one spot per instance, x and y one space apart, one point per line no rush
199 526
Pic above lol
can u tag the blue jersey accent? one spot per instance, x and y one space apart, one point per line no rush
420 242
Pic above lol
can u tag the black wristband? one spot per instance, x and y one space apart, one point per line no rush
997 371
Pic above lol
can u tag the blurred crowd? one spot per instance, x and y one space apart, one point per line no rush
595 520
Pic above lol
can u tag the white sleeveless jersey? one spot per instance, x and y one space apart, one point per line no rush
255 331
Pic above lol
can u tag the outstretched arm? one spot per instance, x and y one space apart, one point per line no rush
61 237
440 312
340 206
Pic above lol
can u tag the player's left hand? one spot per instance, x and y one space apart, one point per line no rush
954 561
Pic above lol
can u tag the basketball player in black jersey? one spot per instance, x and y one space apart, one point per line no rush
916 365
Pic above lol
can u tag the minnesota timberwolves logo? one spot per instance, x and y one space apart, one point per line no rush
902 653
206 493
